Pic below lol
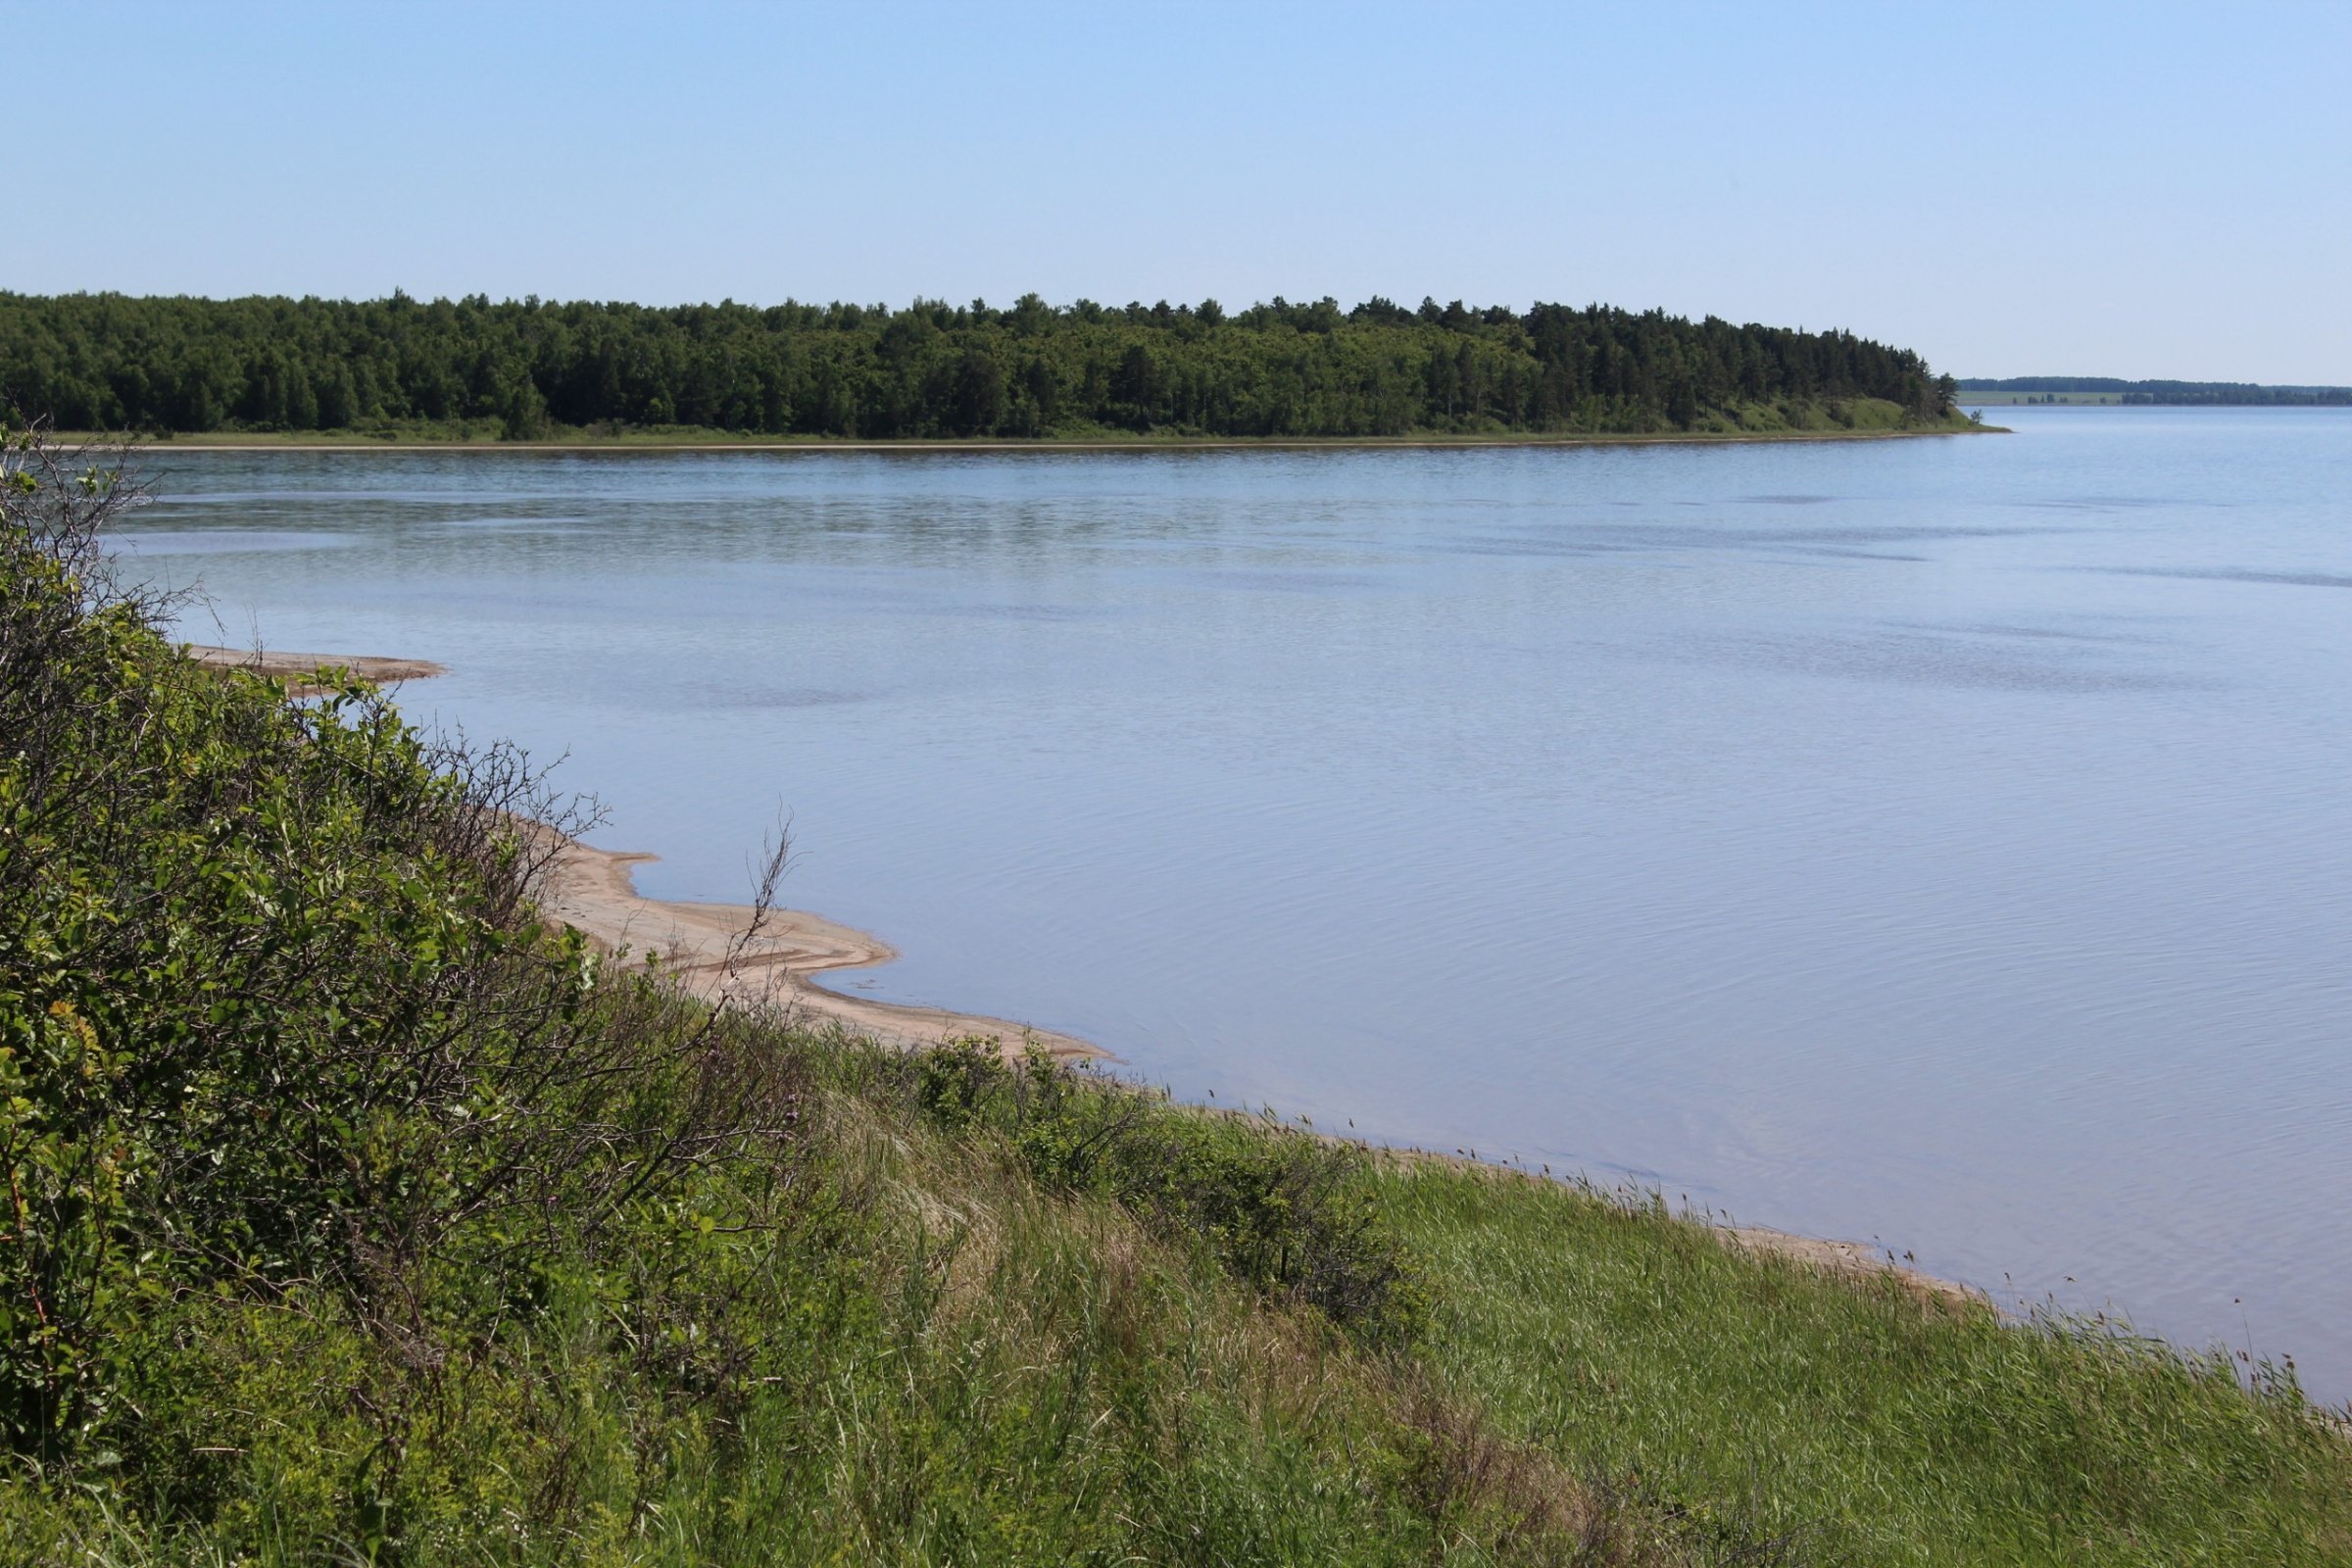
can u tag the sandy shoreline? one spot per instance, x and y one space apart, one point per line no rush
258 662
736 953
718 952
705 948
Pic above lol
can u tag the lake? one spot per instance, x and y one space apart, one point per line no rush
1941 841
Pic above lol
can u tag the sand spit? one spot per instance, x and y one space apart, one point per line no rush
259 661
727 951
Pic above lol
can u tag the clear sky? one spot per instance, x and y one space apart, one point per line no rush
2012 189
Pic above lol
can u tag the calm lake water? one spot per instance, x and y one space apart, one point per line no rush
1943 842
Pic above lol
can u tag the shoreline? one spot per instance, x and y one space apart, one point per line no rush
703 947
288 666
739 954
762 958
819 445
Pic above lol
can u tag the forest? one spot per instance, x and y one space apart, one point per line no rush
2212 393
166 365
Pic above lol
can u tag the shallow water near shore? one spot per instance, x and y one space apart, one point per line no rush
1933 841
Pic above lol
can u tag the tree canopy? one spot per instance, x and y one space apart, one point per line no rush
111 361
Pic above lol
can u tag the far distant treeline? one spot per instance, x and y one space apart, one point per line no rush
2185 392
110 362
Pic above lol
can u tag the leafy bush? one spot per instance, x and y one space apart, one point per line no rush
275 1013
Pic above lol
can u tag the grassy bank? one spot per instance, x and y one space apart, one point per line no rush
353 1216
1861 1422
1831 419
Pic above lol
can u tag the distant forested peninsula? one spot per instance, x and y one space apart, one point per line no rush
2108 390
528 369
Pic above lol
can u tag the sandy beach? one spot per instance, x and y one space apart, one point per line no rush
735 953
259 661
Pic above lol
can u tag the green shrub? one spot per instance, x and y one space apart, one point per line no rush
276 1014
1288 1213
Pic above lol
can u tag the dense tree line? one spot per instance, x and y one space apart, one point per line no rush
113 362
2171 392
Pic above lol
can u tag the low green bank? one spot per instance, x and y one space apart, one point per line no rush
1855 1421
352 1216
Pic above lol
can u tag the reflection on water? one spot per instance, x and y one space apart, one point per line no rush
1935 841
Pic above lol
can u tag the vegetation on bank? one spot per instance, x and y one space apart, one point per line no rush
107 362
353 1215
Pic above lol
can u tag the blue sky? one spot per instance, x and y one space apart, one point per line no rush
2077 189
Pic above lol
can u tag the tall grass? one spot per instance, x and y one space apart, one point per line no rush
1855 1418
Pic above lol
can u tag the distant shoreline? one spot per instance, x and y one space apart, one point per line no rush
813 445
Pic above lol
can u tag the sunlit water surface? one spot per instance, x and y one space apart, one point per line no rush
1943 842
